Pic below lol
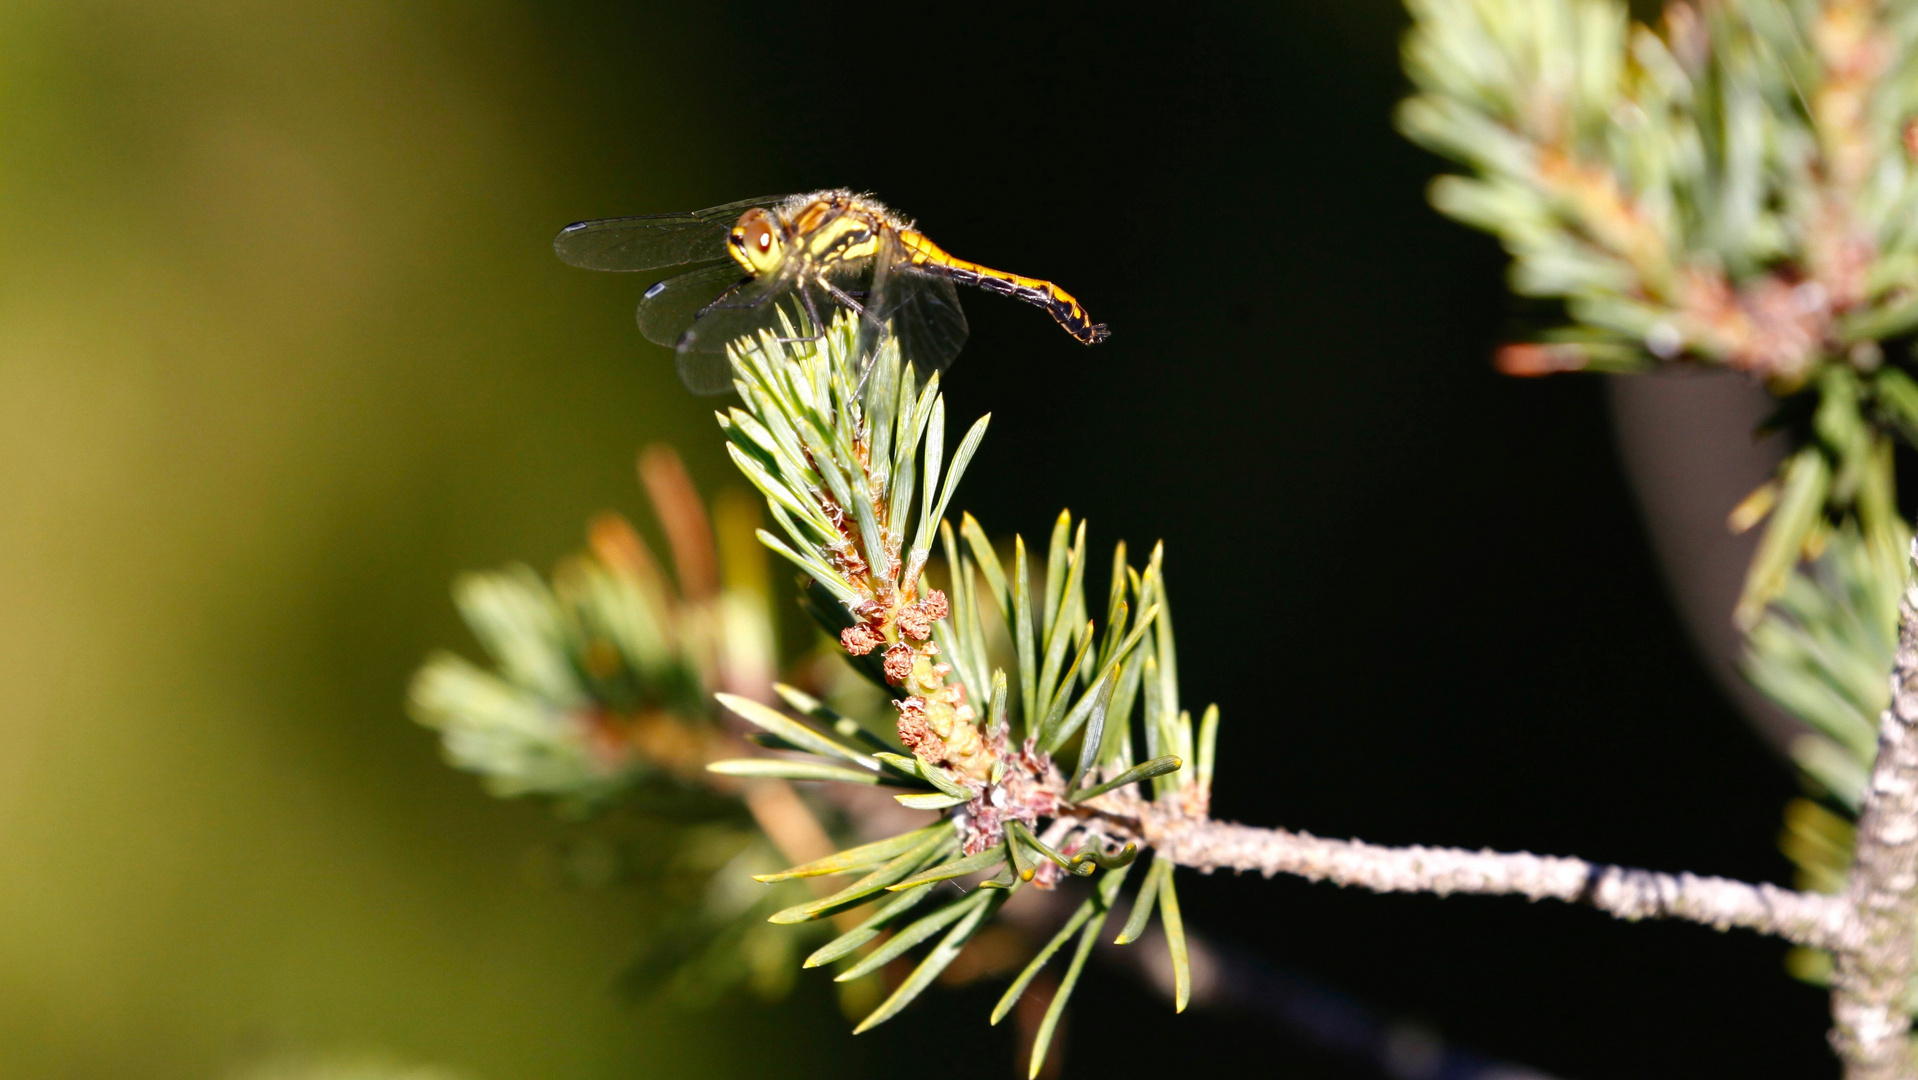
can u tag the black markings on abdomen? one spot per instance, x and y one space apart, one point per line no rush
994 284
1066 313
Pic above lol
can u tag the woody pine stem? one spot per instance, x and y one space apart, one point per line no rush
1870 1024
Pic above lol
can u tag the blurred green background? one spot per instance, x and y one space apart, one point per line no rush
283 347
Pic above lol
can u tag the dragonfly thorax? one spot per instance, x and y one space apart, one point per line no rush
826 233
839 229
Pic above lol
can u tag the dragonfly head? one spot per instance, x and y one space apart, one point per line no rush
758 242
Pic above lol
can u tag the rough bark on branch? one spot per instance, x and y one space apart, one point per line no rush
1869 1021
1203 844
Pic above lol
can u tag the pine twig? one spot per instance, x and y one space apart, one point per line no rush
1869 1018
1207 845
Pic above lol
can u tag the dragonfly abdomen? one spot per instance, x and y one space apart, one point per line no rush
930 257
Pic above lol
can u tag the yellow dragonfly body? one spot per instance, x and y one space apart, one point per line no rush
812 253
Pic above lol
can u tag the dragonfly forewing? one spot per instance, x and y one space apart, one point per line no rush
652 241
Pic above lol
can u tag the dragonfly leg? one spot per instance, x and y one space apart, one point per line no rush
852 303
720 300
847 301
812 313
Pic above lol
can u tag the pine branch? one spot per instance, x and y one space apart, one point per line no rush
1733 188
1870 929
1870 1022
1736 189
1206 845
1013 815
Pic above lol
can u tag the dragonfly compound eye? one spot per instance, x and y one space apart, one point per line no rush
756 242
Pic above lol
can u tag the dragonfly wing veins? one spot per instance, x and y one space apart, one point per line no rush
651 241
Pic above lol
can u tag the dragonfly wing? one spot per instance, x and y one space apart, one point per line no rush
924 313
670 306
756 305
919 309
705 373
875 287
654 240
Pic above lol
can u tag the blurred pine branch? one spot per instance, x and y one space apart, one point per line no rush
599 696
1734 188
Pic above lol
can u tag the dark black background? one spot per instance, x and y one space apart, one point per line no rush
1419 591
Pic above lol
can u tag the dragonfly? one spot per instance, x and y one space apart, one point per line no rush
813 255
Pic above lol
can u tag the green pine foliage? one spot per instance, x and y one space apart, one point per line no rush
599 680
1823 651
598 696
1013 714
544 719
1736 187
1016 712
1672 186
